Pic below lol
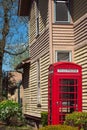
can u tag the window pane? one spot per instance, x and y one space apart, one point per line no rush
61 11
63 56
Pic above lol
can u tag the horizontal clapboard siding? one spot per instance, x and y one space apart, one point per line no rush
79 9
31 93
81 59
26 101
33 89
80 34
43 19
80 30
63 34
43 10
40 46
32 23
44 81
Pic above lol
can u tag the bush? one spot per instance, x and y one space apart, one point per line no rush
18 128
44 118
77 119
58 127
10 112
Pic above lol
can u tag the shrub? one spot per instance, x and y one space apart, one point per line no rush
10 112
18 128
44 118
58 127
77 119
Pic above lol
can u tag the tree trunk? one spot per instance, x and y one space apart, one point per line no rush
5 31
0 82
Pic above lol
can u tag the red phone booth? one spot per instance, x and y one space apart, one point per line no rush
64 91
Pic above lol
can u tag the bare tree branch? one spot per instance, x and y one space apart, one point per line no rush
11 53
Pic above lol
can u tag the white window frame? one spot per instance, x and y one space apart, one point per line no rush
67 11
56 54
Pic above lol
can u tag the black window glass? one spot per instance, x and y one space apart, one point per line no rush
61 10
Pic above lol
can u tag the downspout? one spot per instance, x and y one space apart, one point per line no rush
18 86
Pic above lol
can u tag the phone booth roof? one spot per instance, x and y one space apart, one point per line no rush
65 67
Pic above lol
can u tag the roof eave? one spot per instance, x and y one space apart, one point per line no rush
24 7
21 65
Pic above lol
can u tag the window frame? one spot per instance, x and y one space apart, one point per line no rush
63 22
38 84
64 51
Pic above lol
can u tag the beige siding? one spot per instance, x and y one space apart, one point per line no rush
80 34
81 59
79 9
40 46
80 30
62 38
39 49
44 81
30 93
43 18
43 9
63 35
32 24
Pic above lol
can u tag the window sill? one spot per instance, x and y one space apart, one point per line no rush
62 23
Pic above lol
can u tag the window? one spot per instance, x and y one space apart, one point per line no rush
38 84
37 17
62 10
63 56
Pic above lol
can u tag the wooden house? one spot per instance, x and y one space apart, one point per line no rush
57 32
12 86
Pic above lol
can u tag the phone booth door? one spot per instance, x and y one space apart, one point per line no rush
67 97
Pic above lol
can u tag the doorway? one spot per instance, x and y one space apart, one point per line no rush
67 97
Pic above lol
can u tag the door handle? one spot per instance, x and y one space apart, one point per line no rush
57 103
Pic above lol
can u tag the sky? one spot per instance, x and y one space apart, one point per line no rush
18 33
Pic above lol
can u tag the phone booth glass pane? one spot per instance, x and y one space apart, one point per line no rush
67 97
